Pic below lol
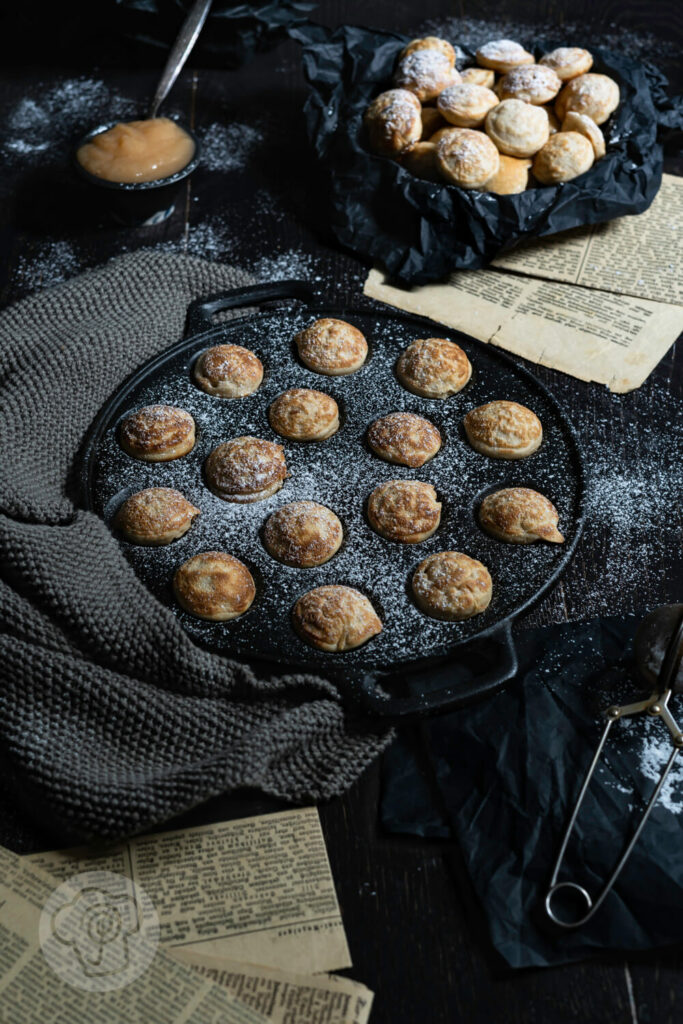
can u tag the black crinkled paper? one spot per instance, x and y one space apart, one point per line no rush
502 776
419 231
233 33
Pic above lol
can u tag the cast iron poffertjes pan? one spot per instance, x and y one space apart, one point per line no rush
340 473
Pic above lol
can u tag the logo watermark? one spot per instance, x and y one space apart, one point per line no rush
99 931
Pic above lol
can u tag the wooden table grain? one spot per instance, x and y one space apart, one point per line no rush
415 932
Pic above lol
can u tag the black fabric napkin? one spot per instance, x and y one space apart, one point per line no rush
502 776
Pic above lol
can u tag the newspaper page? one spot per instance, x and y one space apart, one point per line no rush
287 998
593 335
640 256
258 890
165 992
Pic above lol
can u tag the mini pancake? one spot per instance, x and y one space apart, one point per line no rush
246 469
520 515
406 511
393 121
335 618
433 368
404 438
503 430
229 371
452 586
565 156
332 347
303 534
155 516
158 433
303 414
215 586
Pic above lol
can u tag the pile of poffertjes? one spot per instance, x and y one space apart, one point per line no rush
499 127
447 585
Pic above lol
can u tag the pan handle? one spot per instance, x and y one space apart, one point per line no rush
370 699
199 313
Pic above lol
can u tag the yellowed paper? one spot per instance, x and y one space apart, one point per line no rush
590 334
30 991
258 890
285 997
640 256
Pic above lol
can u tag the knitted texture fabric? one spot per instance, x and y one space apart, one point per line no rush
111 719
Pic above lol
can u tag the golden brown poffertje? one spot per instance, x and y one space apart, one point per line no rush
507 124
335 618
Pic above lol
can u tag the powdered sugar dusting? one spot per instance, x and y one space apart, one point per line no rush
502 49
229 147
54 262
42 126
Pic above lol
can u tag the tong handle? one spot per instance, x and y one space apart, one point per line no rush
556 887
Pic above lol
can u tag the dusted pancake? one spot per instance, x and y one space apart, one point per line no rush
229 371
404 438
332 347
503 430
404 510
434 368
155 516
303 534
520 515
302 414
335 618
214 586
158 433
393 121
426 73
452 586
246 469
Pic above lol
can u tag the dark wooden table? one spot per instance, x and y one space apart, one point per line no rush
415 934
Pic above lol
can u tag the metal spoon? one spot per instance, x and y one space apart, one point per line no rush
180 51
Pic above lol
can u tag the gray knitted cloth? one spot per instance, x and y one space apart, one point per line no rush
111 720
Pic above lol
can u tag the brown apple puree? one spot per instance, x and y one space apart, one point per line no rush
137 151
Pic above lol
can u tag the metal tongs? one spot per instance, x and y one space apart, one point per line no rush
662 630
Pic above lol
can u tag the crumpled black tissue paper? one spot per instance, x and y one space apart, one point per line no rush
502 776
419 231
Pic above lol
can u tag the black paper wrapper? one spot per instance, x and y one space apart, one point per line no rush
232 35
502 776
419 231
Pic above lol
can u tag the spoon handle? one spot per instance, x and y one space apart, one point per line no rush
180 51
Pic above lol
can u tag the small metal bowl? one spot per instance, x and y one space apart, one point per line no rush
137 202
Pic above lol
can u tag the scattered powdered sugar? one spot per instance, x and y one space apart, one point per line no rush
634 501
477 32
53 263
290 264
43 126
340 473
229 147
655 751
210 238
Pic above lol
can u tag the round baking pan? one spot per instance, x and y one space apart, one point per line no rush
340 473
